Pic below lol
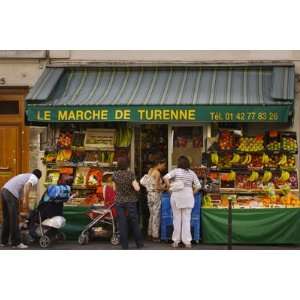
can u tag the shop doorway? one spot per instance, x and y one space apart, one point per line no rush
9 152
151 143
14 137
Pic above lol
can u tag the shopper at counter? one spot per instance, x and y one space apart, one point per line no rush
126 203
182 182
154 198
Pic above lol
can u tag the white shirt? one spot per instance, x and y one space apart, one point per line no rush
16 184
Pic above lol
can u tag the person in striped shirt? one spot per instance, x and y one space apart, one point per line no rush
184 183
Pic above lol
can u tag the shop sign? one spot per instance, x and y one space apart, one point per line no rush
203 113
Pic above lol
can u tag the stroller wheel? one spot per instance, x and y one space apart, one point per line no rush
83 239
114 240
45 241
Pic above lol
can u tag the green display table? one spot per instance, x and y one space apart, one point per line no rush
76 220
252 226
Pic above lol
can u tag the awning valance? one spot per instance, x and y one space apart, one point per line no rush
206 91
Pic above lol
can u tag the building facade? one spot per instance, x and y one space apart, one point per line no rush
20 70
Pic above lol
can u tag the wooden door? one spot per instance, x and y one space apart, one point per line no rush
9 152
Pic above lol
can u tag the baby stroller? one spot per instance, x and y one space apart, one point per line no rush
45 222
103 220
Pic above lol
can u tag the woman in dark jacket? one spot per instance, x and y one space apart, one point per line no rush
126 203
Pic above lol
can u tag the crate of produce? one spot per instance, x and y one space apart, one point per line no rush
228 180
285 177
226 140
248 181
64 140
52 177
272 141
92 156
81 176
64 155
213 182
289 142
251 144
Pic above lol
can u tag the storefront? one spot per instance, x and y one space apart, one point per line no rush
94 115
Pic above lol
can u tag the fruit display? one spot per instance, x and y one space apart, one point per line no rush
106 157
267 176
235 159
272 161
72 162
226 140
92 156
293 180
52 177
123 137
64 140
214 157
50 157
253 176
246 160
289 144
207 201
274 146
81 176
64 155
94 177
260 171
251 144
228 179
256 161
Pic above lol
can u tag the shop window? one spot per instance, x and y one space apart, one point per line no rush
9 107
188 141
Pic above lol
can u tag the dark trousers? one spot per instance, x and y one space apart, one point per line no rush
10 226
125 211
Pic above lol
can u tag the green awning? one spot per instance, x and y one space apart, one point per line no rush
145 94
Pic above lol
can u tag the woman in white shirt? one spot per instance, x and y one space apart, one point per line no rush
183 183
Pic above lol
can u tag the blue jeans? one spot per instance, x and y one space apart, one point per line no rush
132 215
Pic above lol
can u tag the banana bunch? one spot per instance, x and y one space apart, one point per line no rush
214 158
231 176
265 159
254 176
247 159
285 175
235 159
207 201
267 176
283 160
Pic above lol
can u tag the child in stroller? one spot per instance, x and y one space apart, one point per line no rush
45 222
103 218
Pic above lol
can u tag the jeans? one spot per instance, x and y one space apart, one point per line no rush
132 215
10 226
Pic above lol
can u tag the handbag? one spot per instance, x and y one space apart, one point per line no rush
146 181
176 186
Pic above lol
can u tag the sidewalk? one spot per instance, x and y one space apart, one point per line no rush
105 245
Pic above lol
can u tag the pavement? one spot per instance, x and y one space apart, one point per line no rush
105 245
